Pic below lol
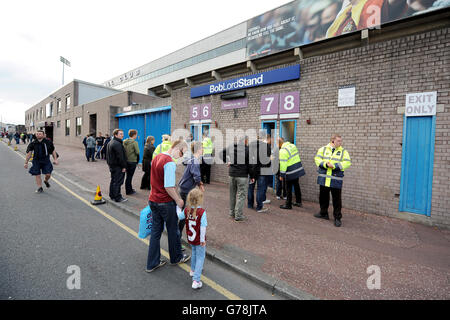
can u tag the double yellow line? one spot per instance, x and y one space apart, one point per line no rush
228 294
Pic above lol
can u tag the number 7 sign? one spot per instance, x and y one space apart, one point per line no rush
269 104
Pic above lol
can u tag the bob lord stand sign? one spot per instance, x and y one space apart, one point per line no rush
421 104
254 80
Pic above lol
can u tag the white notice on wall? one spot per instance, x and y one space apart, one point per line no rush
346 96
421 104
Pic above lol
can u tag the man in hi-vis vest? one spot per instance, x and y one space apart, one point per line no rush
207 159
164 146
331 160
291 169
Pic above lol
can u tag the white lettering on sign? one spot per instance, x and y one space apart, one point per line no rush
421 104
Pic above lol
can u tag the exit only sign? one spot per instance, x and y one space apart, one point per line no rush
421 104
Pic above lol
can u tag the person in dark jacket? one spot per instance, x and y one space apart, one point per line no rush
192 176
85 147
105 144
147 162
260 152
237 158
117 162
41 149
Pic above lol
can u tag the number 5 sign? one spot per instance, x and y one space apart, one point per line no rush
201 112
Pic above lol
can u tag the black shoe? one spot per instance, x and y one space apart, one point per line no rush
184 259
241 219
297 204
47 184
161 263
132 192
40 190
337 222
285 206
321 216
122 199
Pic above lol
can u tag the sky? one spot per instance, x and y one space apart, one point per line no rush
101 39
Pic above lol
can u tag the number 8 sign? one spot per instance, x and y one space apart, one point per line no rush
290 102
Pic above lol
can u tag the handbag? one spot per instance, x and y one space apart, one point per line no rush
145 223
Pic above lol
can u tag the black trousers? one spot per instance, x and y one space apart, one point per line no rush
298 193
324 200
205 171
117 178
131 168
145 182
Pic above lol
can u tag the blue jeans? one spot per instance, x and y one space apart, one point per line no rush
97 152
197 261
90 153
164 213
260 193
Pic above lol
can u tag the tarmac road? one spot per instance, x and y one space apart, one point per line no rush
45 237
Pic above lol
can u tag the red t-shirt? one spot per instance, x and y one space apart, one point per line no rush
193 226
158 193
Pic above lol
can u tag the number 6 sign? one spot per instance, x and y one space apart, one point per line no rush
201 112
206 112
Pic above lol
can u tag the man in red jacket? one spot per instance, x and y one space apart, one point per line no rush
163 201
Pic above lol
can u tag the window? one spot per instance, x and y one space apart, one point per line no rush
67 127
67 102
58 104
78 128
58 124
49 110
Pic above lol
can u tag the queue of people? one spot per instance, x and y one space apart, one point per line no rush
251 166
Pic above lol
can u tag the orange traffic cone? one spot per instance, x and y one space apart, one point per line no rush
98 197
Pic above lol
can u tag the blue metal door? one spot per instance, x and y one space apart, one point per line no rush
157 124
150 122
417 164
134 122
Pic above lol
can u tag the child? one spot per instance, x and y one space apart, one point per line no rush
196 224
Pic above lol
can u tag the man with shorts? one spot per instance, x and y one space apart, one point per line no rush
41 148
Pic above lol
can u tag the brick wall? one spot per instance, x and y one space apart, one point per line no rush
372 130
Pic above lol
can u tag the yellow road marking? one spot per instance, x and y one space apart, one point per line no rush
228 294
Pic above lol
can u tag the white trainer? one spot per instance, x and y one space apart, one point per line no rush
196 284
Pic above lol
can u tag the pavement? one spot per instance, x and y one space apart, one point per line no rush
293 253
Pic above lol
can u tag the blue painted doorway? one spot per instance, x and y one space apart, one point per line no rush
417 164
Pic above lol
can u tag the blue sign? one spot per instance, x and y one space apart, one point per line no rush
255 80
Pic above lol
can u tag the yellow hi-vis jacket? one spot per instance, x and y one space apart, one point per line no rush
340 159
207 150
290 164
162 147
207 146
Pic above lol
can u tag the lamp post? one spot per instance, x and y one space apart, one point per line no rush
64 62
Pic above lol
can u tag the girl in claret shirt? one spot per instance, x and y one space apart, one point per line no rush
196 223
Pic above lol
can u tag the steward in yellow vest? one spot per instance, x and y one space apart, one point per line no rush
332 160
207 158
163 147
291 169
